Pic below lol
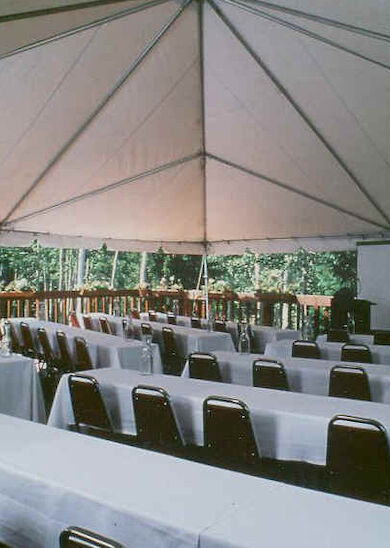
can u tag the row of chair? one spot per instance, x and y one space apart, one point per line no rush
345 381
342 335
349 352
357 462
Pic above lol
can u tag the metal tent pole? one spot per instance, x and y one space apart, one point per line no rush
206 284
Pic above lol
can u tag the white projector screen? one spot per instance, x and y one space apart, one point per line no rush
374 280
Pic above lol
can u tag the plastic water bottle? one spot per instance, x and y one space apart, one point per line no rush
146 367
244 342
128 328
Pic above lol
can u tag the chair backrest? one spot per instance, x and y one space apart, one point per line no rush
382 337
220 326
152 316
75 537
83 359
171 318
195 323
27 338
135 314
348 381
228 433
356 353
88 323
66 360
146 329
73 320
105 325
47 350
15 344
87 403
338 335
358 460
204 366
269 374
169 339
306 349
154 417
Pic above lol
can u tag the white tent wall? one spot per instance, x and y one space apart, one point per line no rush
221 125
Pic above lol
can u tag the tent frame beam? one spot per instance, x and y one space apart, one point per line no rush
82 28
111 186
324 20
295 190
306 32
284 91
91 117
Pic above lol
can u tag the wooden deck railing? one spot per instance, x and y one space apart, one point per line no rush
283 310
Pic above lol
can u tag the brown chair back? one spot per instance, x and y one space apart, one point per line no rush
358 461
105 325
204 366
347 381
154 417
66 361
47 350
228 433
356 353
269 374
196 323
171 318
306 349
28 341
146 329
87 403
220 326
83 359
338 335
88 324
152 316
382 337
75 537
172 358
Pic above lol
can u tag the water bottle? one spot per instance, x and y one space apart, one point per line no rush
244 343
128 328
146 359
6 344
350 323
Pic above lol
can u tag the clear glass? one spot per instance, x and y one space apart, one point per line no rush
5 344
146 366
116 308
350 323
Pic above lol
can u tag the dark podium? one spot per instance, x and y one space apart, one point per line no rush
343 304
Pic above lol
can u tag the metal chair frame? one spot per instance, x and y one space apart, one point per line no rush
207 371
76 537
356 353
105 325
83 359
306 350
360 388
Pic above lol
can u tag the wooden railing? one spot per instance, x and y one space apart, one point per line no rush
283 310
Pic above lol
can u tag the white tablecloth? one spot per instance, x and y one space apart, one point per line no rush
354 339
188 339
304 375
329 351
287 426
20 389
105 350
262 334
148 500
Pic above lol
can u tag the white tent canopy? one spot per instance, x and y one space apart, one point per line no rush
217 125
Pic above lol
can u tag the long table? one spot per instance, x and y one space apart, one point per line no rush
262 334
105 350
287 426
303 375
329 351
188 339
50 479
20 389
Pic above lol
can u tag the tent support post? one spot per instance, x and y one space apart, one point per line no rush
206 284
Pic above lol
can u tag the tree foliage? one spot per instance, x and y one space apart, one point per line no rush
39 268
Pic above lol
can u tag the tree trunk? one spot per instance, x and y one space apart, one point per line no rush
81 268
257 271
143 274
114 267
60 269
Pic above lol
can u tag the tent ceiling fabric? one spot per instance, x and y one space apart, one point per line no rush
223 125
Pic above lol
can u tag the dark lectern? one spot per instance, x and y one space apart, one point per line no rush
362 315
344 304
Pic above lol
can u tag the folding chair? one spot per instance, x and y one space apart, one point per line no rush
75 537
173 361
347 381
305 349
269 374
83 359
204 366
105 325
356 353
